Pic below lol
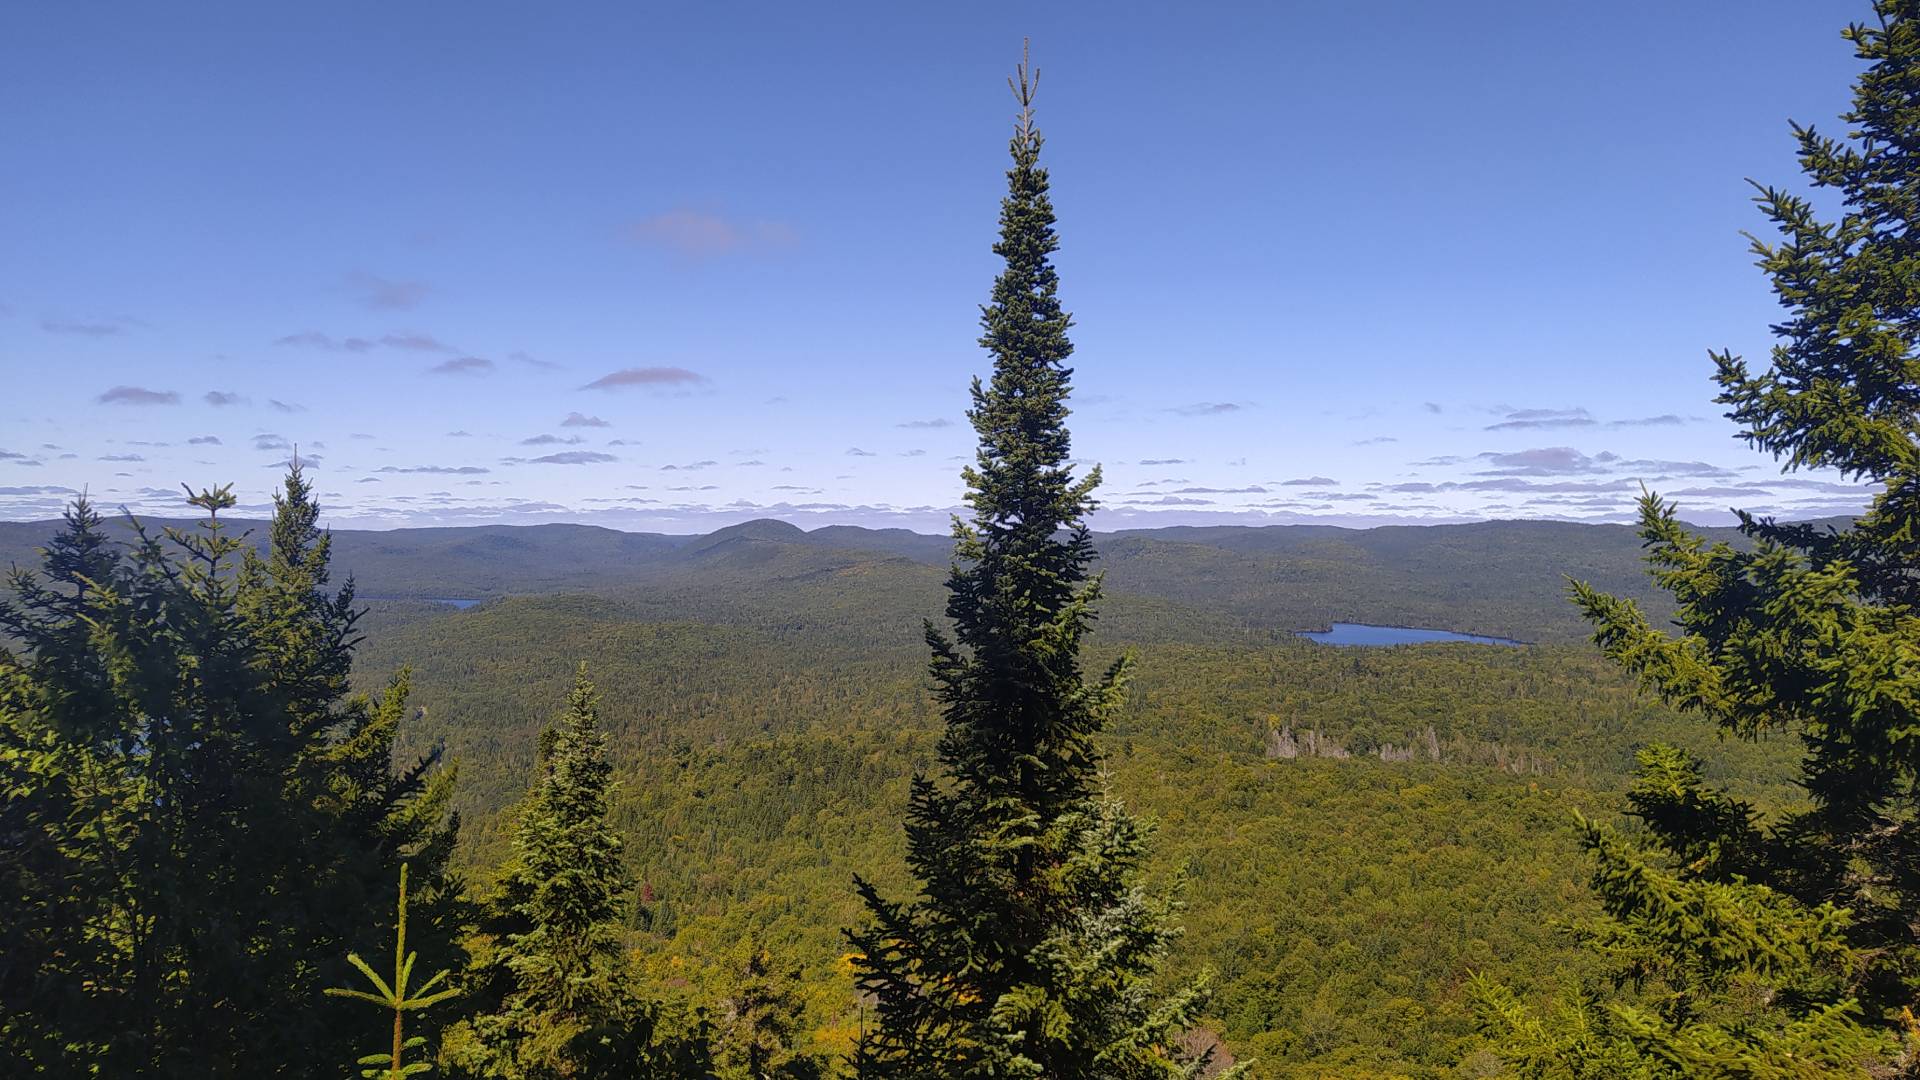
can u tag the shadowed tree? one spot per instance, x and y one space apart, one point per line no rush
210 812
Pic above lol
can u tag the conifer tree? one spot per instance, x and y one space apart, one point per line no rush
196 870
760 1022
1030 951
56 776
551 973
135 672
1790 947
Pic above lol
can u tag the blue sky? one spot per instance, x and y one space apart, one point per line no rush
672 266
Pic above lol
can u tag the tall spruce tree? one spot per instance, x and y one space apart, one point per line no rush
550 974
1031 950
194 868
1789 946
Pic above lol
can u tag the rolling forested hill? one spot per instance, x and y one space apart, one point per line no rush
1358 830
1343 894
1505 578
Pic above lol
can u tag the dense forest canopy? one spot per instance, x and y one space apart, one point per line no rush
1026 801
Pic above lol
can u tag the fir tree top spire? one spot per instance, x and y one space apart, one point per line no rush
1020 595
1022 478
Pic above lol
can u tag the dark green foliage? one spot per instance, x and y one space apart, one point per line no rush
209 814
194 819
1728 979
52 783
570 869
398 996
763 745
1031 949
1342 902
550 975
759 1022
1790 946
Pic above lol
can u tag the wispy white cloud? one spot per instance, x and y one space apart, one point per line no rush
137 395
699 234
384 294
645 376
462 365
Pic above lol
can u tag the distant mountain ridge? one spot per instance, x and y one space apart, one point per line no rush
1502 577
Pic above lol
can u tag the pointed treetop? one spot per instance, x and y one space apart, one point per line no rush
1025 83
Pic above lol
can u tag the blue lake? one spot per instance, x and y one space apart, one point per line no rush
451 601
1347 633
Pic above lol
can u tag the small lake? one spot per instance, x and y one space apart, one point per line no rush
1348 633
450 601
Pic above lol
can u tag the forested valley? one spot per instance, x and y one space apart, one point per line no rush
1024 801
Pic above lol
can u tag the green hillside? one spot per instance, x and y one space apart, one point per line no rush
1505 578
765 733
1359 830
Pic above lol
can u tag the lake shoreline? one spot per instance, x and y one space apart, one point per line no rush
1373 635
